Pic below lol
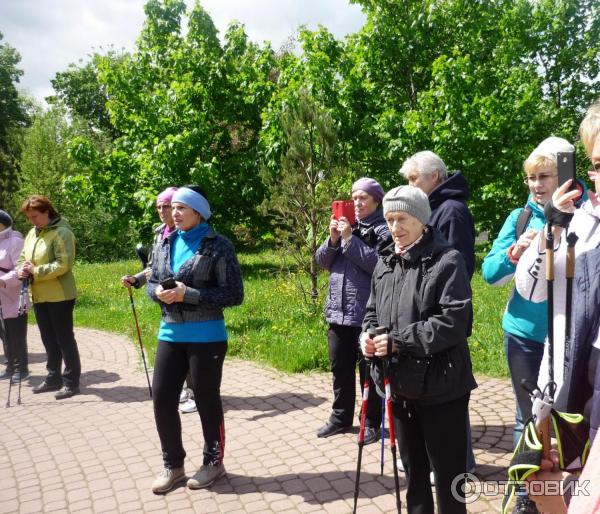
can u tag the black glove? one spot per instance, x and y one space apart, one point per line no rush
556 217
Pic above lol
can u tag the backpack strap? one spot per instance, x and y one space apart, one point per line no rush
523 220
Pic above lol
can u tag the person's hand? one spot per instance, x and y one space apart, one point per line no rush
25 270
334 233
345 228
563 199
148 273
380 343
128 281
551 504
367 346
169 296
523 243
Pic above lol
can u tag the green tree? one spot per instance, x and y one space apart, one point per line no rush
46 167
13 115
188 111
302 191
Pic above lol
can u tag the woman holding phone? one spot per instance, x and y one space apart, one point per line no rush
350 254
195 275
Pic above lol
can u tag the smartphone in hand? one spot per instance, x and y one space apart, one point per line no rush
168 283
345 209
566 169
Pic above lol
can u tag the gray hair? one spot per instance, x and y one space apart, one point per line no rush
424 163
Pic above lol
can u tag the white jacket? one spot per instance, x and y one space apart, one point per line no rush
530 279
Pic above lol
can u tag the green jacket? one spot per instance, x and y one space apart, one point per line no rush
51 249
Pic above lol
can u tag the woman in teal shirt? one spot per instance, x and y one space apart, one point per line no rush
195 275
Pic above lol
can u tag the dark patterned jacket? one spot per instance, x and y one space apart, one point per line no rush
212 276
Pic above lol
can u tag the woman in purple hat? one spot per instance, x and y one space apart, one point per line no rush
350 254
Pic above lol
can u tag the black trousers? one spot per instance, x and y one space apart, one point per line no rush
14 341
205 364
436 436
55 321
344 352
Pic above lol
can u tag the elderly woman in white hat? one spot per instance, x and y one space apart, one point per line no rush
420 294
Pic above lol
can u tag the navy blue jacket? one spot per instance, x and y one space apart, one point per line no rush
580 392
451 216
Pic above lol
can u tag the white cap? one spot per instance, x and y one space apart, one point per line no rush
551 146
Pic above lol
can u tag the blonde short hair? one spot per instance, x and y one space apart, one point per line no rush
590 127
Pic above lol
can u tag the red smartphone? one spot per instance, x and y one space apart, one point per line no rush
343 208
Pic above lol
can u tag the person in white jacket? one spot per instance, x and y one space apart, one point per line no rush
13 322
530 276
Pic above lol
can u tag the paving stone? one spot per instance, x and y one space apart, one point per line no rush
99 451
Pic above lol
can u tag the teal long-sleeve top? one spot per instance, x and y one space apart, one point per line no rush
521 317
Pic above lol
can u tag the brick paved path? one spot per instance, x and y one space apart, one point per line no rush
98 452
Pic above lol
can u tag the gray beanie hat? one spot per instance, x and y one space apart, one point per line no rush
408 199
5 219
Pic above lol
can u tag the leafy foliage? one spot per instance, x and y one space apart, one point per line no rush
13 115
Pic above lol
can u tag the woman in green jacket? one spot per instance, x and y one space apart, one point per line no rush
47 262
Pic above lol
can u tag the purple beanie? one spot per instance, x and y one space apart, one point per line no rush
166 195
369 186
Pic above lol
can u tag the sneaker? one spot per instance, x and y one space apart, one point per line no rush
372 434
188 406
19 377
185 395
167 480
66 392
329 429
45 387
525 506
206 475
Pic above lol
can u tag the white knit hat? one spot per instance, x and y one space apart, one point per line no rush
551 146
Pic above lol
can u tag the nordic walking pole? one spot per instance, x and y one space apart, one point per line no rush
382 434
23 293
139 335
569 274
388 401
543 424
4 336
361 437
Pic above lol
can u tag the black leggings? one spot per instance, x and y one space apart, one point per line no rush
55 321
205 364
15 344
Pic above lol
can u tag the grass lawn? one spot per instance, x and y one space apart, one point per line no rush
272 325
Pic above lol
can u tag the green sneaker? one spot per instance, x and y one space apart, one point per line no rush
206 475
167 480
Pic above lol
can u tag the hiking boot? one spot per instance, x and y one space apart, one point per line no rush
188 406
206 475
45 387
372 434
167 480
66 392
6 374
525 506
329 429
19 376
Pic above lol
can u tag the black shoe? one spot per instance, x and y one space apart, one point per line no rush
19 376
525 506
329 429
372 434
66 392
45 387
